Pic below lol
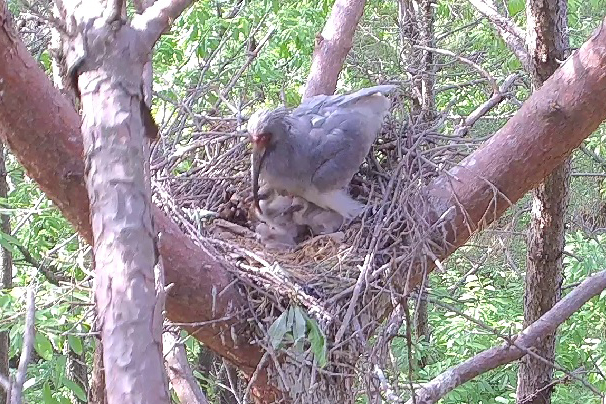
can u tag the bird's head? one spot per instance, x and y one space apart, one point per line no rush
265 129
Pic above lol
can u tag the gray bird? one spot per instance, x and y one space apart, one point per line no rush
314 150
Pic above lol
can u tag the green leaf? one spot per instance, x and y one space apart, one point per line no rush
43 346
75 344
318 342
75 388
278 329
47 394
299 324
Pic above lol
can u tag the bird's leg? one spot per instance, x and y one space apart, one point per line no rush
337 200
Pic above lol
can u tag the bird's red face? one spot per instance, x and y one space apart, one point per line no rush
260 140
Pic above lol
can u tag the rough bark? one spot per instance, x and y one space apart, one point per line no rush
128 305
547 42
332 47
56 137
539 137
96 392
6 275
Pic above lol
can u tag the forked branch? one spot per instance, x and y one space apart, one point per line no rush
157 18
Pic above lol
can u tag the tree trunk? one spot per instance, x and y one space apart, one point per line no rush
96 392
129 307
332 47
6 275
547 42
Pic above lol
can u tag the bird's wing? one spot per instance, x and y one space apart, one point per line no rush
338 148
322 104
337 131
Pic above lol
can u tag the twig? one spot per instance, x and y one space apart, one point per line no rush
28 345
483 109
50 272
483 72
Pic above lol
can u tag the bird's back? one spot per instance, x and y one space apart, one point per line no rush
329 138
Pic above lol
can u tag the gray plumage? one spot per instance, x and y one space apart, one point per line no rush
314 150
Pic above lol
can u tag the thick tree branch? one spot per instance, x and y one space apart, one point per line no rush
520 344
39 126
332 47
513 35
157 18
540 136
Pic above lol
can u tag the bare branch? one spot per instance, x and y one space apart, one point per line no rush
483 109
480 69
332 47
50 272
157 18
506 353
28 346
514 36
179 372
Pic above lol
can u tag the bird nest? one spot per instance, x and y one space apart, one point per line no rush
341 285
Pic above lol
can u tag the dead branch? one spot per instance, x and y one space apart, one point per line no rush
514 36
332 47
179 372
506 353
28 346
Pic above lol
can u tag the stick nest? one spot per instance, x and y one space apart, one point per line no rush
345 282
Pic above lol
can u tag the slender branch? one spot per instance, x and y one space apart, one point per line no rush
506 353
157 18
179 372
483 109
28 346
50 272
598 159
483 72
514 36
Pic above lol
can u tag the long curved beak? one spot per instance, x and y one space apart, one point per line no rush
258 155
